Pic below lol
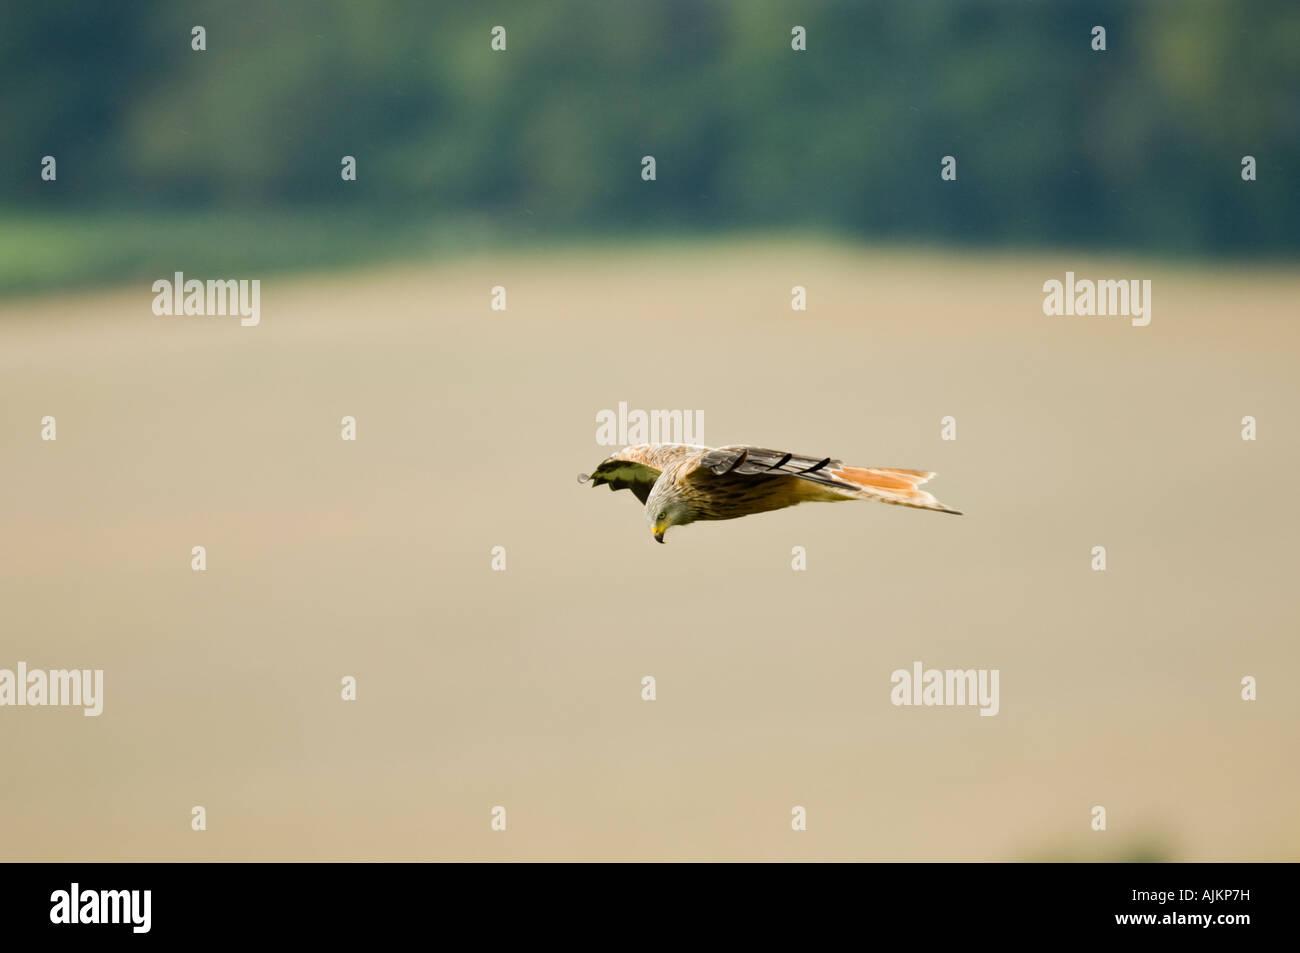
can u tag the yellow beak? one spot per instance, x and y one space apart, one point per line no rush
659 530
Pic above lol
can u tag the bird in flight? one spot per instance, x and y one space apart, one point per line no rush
681 483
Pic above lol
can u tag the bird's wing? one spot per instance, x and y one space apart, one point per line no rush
756 461
637 468
885 484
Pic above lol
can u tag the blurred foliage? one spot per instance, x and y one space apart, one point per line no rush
1139 146
1151 847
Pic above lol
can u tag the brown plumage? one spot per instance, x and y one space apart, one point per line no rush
681 483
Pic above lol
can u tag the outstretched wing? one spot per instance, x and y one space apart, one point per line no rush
636 468
622 475
756 461
884 484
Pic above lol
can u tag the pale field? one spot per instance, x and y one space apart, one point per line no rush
522 688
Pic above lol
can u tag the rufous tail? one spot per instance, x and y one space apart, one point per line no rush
889 485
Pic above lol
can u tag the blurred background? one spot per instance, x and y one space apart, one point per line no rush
523 169
230 158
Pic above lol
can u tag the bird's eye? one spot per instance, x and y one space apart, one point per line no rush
662 516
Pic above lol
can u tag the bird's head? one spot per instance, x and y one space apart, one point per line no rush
667 506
